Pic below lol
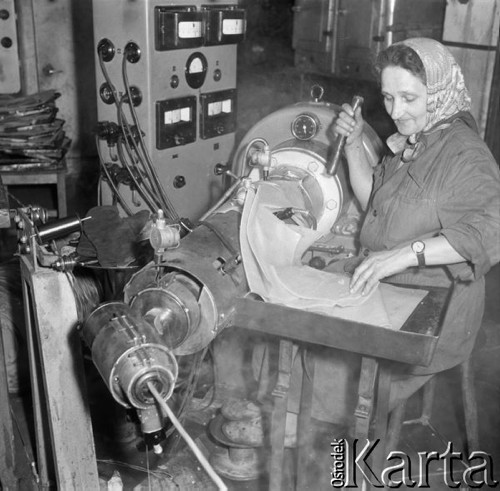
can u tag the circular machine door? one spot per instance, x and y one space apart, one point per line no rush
303 125
301 172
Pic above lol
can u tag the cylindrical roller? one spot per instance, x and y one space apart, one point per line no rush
129 354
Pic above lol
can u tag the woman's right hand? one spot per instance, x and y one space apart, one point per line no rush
349 124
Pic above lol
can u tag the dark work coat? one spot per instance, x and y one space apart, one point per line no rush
450 188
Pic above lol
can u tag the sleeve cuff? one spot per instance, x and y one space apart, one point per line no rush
472 250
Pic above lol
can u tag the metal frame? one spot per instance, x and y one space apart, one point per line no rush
63 429
414 343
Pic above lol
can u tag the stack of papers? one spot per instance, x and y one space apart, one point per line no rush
30 132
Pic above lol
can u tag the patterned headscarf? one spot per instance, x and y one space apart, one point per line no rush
446 91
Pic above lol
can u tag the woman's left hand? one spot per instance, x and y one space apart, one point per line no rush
379 265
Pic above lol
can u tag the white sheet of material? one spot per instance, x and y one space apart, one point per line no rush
271 250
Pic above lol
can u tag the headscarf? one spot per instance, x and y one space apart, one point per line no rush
446 90
447 94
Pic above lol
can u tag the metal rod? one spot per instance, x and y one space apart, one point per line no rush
191 444
338 146
59 228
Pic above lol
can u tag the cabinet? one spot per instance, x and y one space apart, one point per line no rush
471 33
342 37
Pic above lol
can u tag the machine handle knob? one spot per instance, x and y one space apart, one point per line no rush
48 70
338 146
179 182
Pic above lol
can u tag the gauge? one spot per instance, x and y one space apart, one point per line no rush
305 126
195 65
196 70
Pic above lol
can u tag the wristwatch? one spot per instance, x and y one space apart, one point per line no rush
418 248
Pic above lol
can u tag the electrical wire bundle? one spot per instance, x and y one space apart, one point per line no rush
137 169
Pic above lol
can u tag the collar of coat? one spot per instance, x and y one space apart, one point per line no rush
409 148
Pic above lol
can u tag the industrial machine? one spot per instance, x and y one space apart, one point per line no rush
178 303
175 306
166 81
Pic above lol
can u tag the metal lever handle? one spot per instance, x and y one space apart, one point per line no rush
338 146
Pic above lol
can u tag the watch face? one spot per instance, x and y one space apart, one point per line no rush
418 246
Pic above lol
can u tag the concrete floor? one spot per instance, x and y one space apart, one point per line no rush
266 82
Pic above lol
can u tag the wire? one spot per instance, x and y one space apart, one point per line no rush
147 467
129 139
190 442
15 199
136 151
191 386
158 473
170 210
99 190
214 374
135 154
142 189
223 198
111 183
26 448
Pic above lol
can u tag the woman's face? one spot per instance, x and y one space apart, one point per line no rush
405 99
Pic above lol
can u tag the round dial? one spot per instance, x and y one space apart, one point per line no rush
305 126
196 70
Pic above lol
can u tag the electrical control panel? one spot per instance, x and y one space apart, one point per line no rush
166 79
223 25
217 113
178 27
175 122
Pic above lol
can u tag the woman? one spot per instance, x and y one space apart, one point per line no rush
433 203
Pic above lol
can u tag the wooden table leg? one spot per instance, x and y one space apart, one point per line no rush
61 195
381 419
371 419
304 427
363 419
366 397
278 419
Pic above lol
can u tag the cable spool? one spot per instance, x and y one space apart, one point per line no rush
87 290
87 293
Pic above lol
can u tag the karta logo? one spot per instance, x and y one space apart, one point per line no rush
350 466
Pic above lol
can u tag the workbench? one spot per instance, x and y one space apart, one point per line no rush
54 174
414 344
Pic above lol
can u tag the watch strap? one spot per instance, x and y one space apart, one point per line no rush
418 247
421 259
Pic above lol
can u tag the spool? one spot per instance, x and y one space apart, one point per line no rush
236 461
237 464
